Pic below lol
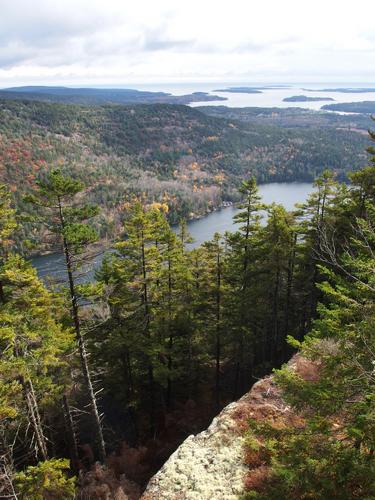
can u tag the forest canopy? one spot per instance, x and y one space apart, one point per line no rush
120 370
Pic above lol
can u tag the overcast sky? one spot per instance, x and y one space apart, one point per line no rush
132 41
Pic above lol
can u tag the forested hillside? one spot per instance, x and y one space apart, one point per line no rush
292 117
121 370
95 96
171 153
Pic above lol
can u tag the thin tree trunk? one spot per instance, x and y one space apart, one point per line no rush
81 344
170 341
73 447
290 277
169 379
150 369
7 489
275 308
2 294
128 379
34 415
218 326
238 379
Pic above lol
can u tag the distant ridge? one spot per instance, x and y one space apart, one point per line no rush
94 96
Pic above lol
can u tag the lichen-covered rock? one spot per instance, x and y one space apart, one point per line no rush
211 465
208 465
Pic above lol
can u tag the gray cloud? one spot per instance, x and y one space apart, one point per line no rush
151 43
83 39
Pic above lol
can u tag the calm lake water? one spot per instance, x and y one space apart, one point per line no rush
288 194
201 230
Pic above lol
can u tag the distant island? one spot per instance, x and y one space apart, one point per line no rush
250 90
367 107
93 96
305 98
344 90
240 90
195 97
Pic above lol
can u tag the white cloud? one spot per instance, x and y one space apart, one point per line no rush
122 41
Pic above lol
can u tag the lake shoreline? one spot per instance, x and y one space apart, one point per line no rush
201 228
104 244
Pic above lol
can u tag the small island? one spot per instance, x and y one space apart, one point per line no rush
194 97
305 98
344 90
240 90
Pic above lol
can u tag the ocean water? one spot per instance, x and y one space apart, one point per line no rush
270 97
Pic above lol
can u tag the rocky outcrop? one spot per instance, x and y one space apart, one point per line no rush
211 465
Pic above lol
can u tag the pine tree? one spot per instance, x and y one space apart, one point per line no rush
331 452
242 245
173 299
33 344
315 215
133 275
45 480
276 261
213 302
67 218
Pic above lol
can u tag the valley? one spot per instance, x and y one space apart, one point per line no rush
192 159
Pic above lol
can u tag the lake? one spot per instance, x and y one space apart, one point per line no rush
288 194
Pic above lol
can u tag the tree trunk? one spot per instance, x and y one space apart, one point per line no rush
2 294
170 340
7 489
290 277
81 344
218 326
34 415
275 311
150 368
73 447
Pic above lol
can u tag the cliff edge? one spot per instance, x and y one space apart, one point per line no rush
211 465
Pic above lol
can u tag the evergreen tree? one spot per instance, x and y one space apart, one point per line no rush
314 215
241 272
33 343
276 261
173 300
331 452
213 302
133 276
67 218
45 480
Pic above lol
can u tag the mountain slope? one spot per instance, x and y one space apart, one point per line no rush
171 153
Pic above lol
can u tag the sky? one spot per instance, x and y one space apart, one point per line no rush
123 42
